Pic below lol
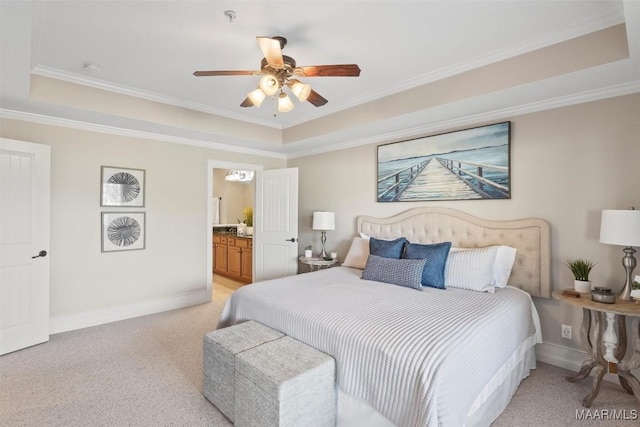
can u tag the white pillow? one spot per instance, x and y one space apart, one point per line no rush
504 263
368 238
358 254
471 269
501 261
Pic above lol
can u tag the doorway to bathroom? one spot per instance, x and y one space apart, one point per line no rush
230 194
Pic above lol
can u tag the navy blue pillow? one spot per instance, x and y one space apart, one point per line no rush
401 272
436 256
387 248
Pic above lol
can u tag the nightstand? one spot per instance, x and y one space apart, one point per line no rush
317 263
604 336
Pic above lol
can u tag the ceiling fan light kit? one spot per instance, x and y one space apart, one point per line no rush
269 85
256 97
284 103
278 70
299 89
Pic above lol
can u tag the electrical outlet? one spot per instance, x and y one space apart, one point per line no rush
566 332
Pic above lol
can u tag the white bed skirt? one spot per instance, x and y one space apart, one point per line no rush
353 412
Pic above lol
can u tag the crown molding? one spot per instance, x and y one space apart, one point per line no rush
113 130
57 74
464 66
511 52
500 114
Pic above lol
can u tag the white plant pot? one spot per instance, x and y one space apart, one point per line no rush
582 286
308 253
249 231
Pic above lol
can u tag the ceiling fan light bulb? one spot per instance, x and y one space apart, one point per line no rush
269 85
284 103
300 90
256 96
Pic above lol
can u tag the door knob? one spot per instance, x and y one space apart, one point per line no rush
40 254
292 240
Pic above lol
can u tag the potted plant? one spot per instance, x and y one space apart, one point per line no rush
635 288
308 251
248 220
581 269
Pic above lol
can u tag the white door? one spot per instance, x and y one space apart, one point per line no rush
275 223
24 233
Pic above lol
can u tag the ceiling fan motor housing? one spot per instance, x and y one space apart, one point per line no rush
282 40
282 73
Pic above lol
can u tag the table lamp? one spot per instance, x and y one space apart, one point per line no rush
622 228
324 221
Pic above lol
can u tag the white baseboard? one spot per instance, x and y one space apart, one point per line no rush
563 357
569 358
128 311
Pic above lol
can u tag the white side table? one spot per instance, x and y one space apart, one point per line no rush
317 263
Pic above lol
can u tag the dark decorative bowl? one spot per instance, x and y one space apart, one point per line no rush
604 295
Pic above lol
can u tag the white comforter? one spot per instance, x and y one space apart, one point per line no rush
420 358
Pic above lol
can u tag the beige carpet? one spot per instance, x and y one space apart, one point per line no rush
545 398
148 372
140 372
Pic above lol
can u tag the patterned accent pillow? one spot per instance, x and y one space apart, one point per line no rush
387 248
401 272
436 256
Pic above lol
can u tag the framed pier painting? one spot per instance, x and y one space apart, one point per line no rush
470 164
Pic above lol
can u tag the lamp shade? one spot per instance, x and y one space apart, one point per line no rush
284 103
300 90
324 221
256 96
620 227
269 85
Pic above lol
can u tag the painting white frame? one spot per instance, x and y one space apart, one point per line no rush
122 187
123 231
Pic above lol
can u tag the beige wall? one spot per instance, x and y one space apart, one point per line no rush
567 165
174 262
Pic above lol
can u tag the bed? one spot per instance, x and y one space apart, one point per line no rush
434 357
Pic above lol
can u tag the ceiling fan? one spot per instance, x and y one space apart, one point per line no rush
280 71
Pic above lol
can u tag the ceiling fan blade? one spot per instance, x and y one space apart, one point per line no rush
247 103
338 70
223 73
271 49
316 99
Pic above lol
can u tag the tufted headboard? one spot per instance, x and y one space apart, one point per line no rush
531 237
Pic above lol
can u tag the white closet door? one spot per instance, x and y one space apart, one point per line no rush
24 234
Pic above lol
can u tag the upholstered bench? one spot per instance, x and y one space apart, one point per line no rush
219 350
285 383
